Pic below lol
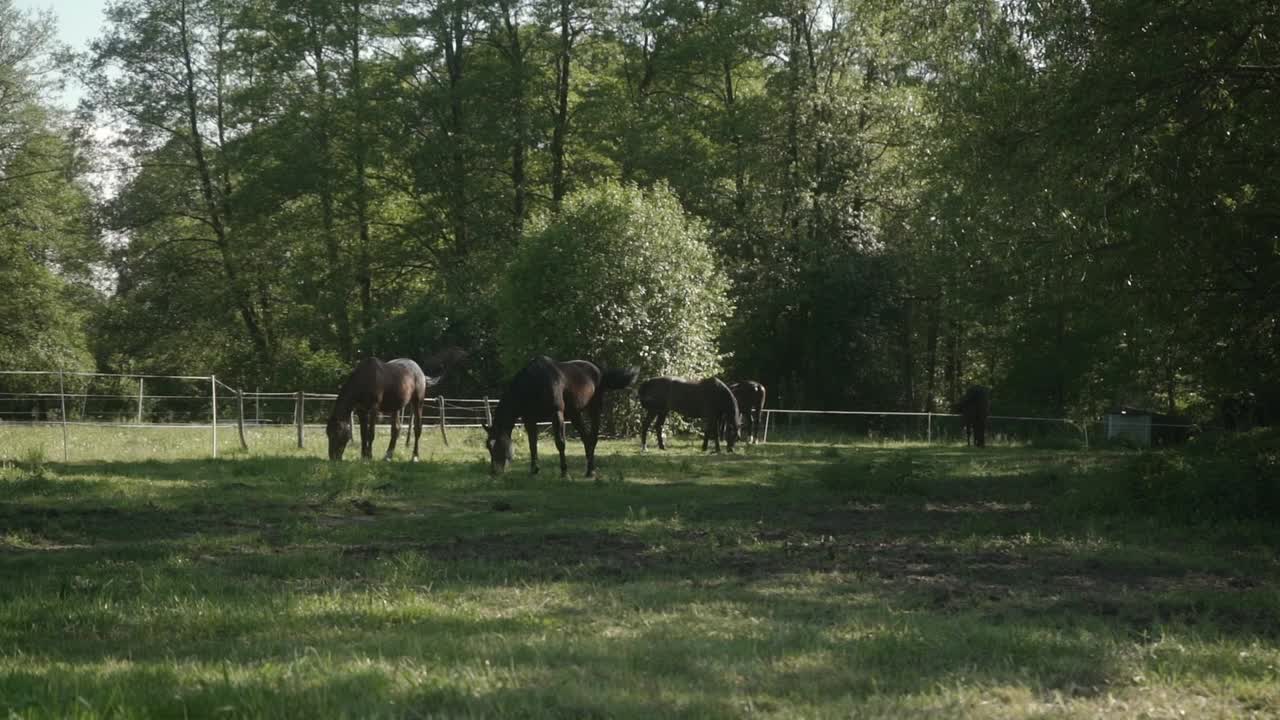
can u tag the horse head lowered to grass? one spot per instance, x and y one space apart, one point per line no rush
375 387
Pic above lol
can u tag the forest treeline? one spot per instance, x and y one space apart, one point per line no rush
1072 202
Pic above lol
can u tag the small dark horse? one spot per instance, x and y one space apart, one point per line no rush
710 400
382 387
975 409
549 390
750 396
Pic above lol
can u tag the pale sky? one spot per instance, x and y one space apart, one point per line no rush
79 21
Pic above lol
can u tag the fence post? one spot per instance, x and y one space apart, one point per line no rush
297 415
765 439
928 438
488 415
213 389
445 437
140 396
240 419
62 399
257 407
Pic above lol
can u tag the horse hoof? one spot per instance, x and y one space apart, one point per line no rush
413 459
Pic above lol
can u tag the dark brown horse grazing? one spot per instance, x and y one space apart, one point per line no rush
710 400
975 409
750 396
383 387
549 390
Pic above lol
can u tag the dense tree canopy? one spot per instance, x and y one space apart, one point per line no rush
619 276
1067 201
48 243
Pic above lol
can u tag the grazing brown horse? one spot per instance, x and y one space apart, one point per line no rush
382 387
975 409
750 396
549 390
710 400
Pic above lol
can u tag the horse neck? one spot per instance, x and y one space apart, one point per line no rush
346 400
504 416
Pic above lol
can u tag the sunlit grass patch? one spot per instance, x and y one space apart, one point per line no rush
796 580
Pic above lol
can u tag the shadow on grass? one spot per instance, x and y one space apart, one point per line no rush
822 573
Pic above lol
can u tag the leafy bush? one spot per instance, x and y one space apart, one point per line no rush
621 277
1232 478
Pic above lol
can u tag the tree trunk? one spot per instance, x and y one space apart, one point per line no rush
364 269
931 355
735 140
335 275
953 370
217 207
520 141
908 356
454 57
789 213
561 129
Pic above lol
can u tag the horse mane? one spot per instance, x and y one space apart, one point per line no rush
343 404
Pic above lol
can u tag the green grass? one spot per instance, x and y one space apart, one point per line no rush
787 581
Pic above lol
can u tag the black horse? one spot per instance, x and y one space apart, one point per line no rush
549 390
750 396
710 400
383 387
974 409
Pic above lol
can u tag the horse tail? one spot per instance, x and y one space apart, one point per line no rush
442 361
618 378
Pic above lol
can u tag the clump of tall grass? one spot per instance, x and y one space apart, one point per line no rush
1216 479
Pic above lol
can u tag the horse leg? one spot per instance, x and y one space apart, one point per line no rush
662 418
368 419
395 435
416 420
531 430
557 426
588 440
644 431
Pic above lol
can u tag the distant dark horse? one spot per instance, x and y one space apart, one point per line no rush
383 387
710 400
750 395
549 390
975 409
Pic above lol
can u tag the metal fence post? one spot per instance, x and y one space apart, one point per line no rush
297 412
488 414
929 430
213 388
240 419
140 396
765 439
62 399
442 433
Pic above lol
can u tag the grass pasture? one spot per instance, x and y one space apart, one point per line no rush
792 580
